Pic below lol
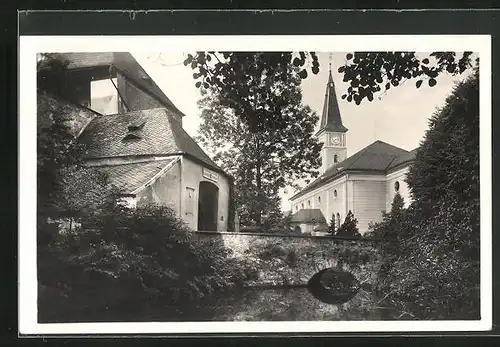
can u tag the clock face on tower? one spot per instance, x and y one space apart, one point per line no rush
335 140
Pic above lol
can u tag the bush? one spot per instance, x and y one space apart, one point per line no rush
433 269
349 227
133 258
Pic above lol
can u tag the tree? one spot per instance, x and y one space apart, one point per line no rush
373 72
262 159
349 227
435 270
332 227
232 76
447 162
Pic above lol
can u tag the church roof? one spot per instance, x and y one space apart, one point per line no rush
131 176
330 118
125 63
308 215
145 132
404 159
376 157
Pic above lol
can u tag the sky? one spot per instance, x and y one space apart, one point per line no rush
398 117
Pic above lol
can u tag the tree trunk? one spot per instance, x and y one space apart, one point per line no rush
258 178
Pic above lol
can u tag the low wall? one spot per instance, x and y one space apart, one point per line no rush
288 260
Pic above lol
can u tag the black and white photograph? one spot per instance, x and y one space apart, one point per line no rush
237 184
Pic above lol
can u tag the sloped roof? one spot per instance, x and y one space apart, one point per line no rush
161 135
308 215
330 118
125 63
404 159
376 157
129 177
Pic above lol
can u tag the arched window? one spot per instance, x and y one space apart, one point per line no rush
396 186
335 158
308 203
296 207
335 193
319 199
338 220
302 205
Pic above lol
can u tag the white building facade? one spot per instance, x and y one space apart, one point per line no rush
364 183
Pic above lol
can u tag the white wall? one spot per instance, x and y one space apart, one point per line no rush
404 191
368 199
329 204
192 175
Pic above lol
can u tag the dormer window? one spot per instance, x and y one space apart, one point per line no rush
137 126
131 136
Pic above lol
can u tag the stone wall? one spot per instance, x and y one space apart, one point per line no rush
282 259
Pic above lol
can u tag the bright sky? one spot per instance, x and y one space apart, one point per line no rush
399 117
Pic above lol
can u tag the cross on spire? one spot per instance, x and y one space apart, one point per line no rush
330 62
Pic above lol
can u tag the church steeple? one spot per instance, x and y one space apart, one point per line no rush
330 119
332 133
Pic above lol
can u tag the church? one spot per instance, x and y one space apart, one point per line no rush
133 132
364 183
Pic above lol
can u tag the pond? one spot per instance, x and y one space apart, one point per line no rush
276 304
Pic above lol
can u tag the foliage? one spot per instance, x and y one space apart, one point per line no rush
262 158
373 72
446 164
132 258
434 271
332 226
232 75
349 227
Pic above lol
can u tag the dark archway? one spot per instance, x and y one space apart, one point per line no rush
208 203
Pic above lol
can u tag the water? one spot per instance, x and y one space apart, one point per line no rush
279 304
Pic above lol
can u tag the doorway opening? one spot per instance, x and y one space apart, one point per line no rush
208 203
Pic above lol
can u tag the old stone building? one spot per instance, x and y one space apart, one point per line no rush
133 132
364 183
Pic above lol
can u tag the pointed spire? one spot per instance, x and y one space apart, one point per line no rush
330 119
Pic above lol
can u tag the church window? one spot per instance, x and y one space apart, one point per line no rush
338 220
302 206
396 186
296 207
335 158
308 203
335 193
319 199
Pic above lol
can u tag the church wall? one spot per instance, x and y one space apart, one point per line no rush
136 99
404 191
368 198
165 190
192 175
329 204
77 117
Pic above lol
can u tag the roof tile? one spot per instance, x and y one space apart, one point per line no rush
376 157
129 177
104 137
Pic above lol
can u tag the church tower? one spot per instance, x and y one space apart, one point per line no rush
332 133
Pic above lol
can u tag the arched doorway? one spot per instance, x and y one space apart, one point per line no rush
208 203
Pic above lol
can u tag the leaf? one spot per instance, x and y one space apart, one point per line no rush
425 61
419 83
432 82
303 74
349 56
197 84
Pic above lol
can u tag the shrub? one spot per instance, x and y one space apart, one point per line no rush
332 227
349 227
136 257
434 270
